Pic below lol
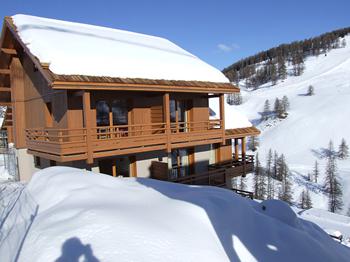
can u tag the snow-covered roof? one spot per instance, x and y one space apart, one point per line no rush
81 49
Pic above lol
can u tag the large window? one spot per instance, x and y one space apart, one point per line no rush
102 113
120 112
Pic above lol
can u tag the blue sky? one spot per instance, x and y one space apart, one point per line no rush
220 32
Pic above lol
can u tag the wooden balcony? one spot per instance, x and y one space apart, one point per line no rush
79 144
219 175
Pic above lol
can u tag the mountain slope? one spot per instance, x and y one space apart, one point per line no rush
312 120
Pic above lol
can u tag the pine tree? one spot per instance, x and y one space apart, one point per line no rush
275 160
310 90
267 110
302 200
286 189
270 181
348 213
280 110
274 74
253 143
316 172
331 185
282 69
259 180
237 99
308 201
285 104
330 151
276 106
343 152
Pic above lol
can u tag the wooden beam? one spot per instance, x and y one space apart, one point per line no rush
5 89
9 51
4 71
88 125
236 149
5 104
222 116
166 108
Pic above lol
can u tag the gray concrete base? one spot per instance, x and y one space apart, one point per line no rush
26 167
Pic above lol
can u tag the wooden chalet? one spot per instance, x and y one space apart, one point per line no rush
121 126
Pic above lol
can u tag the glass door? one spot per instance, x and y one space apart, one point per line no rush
180 163
178 115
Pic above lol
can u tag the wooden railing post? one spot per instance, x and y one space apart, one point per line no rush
166 109
88 125
222 116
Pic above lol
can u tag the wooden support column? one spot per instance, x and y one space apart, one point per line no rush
166 109
17 101
236 149
243 148
222 116
88 125
114 167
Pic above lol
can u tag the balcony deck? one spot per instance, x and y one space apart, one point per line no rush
75 144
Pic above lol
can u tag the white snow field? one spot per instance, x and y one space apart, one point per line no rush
111 52
312 120
100 218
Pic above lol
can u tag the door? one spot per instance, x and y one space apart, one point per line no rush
182 162
179 116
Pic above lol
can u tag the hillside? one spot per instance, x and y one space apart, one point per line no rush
101 218
312 120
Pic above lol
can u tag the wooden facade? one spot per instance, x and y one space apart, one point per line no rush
84 119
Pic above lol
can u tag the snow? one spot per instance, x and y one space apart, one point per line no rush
101 218
312 120
81 49
234 117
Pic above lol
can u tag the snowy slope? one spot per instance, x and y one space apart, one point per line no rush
81 49
312 120
82 214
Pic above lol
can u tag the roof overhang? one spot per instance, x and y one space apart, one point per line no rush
242 132
128 84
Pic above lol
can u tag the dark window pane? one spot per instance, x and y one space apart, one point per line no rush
102 113
120 112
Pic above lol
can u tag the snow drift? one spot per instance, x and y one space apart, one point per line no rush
127 219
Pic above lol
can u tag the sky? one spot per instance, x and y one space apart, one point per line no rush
219 32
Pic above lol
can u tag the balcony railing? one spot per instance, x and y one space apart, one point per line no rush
75 144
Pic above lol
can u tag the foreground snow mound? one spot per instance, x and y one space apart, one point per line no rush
127 219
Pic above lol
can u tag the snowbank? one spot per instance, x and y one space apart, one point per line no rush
73 48
127 219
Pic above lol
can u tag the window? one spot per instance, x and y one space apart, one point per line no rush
102 113
120 112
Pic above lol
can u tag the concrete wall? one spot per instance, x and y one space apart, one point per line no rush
26 167
144 161
202 158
